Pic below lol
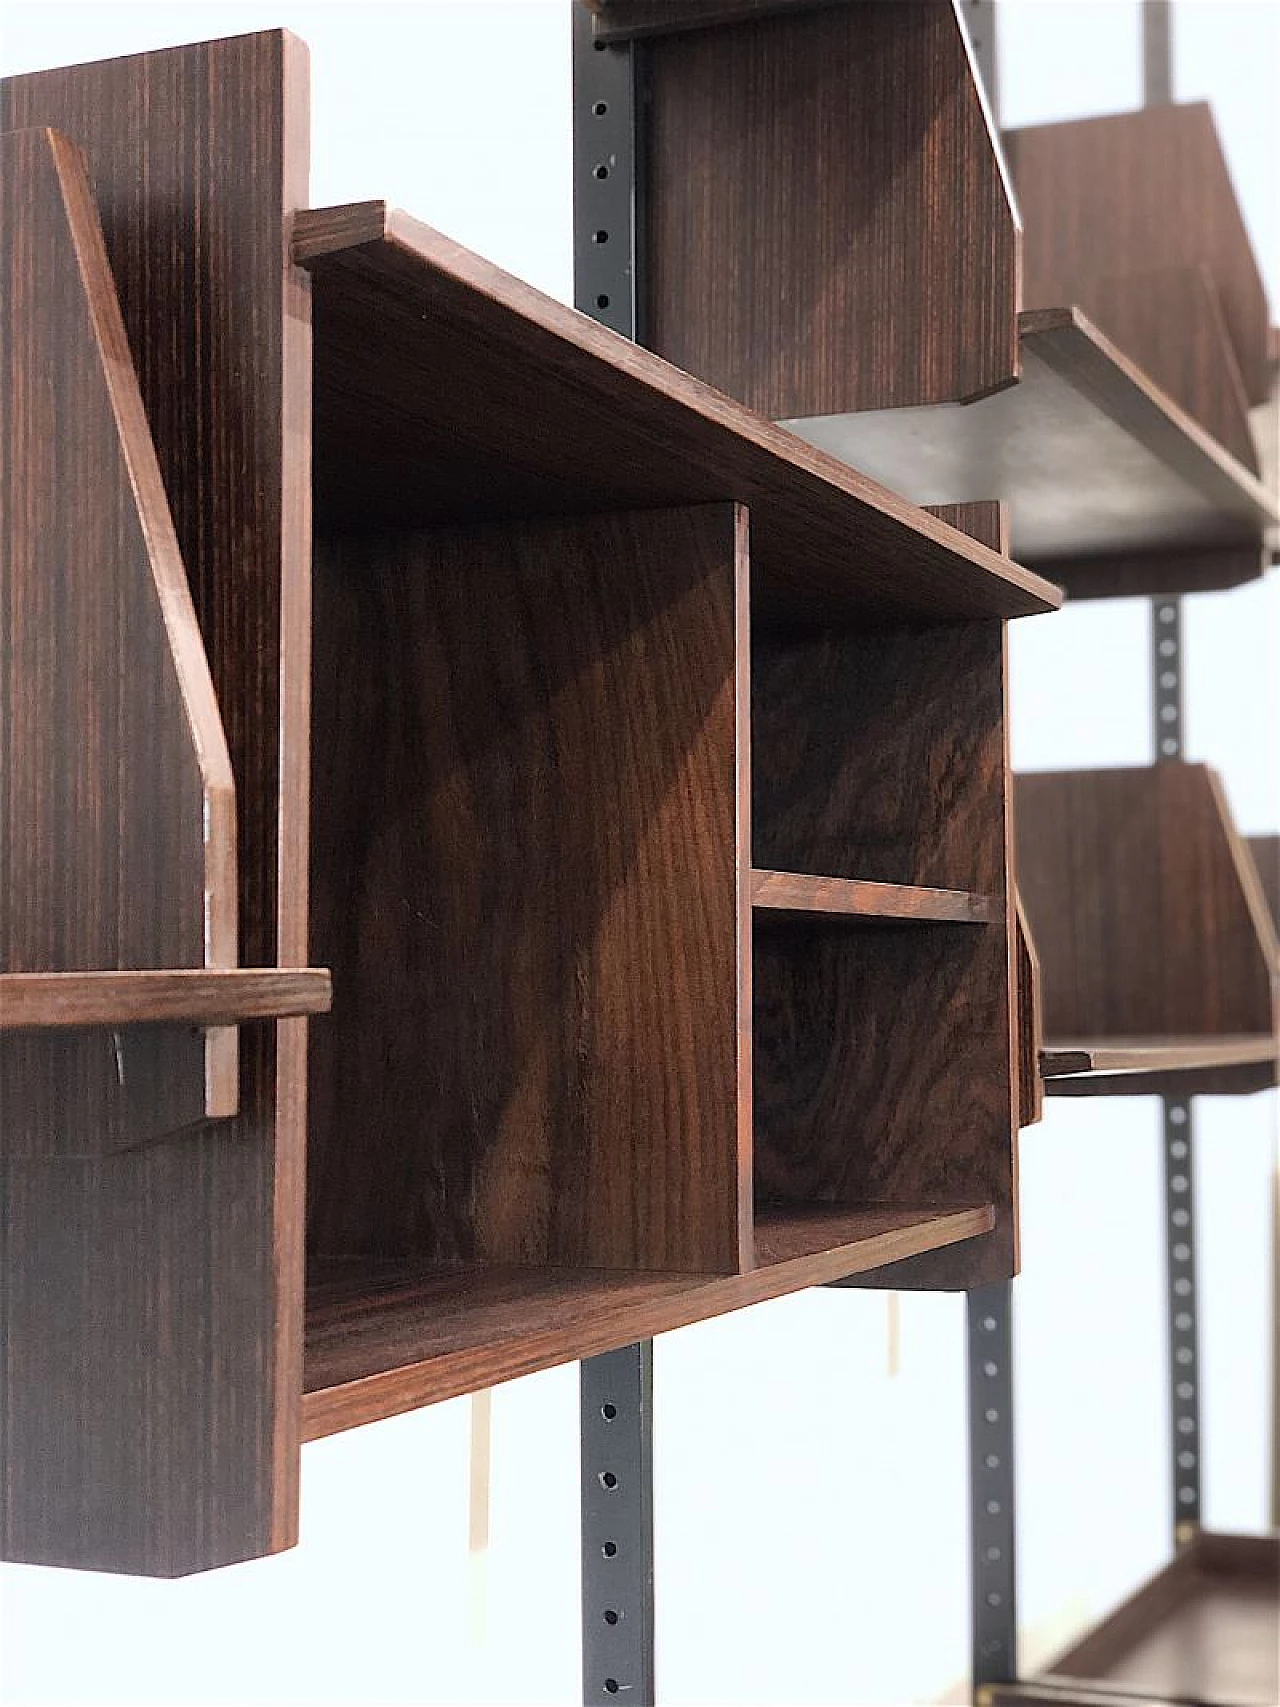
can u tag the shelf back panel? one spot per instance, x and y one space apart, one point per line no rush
153 1299
828 225
529 875
1146 911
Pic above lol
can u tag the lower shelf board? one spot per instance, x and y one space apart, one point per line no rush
1144 1066
1206 1630
382 1338
202 996
787 893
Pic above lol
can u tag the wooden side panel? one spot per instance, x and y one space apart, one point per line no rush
828 226
1171 324
153 1301
1148 191
526 879
1265 851
1143 922
117 824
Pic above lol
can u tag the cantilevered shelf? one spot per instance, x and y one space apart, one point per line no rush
385 1338
629 677
1206 1629
1112 487
1156 948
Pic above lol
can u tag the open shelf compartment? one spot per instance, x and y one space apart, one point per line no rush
570 1051
1157 952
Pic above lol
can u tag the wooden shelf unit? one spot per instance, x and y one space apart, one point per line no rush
1113 488
789 637
573 648
1204 1629
1157 953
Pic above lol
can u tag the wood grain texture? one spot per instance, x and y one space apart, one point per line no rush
385 1339
789 892
1099 467
1265 852
1171 325
1141 906
420 346
153 1301
828 227
627 20
878 756
114 759
526 876
826 222
39 1001
1149 190
1031 1065
988 1151
1205 1629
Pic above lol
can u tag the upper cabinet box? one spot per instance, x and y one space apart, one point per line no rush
639 770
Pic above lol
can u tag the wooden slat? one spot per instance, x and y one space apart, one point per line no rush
1147 1054
381 1341
38 1001
841 897
153 1299
115 759
527 866
626 20
1099 467
419 347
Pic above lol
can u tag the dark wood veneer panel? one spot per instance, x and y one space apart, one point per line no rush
1112 487
788 893
526 878
1205 1629
151 1409
1147 920
385 1339
879 756
420 346
1149 190
1266 859
115 760
69 1001
828 227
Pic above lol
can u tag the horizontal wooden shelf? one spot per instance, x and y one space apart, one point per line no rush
385 1338
1205 1629
1097 464
842 897
44 1001
419 345
1191 1066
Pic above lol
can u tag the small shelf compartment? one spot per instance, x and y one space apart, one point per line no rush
1156 948
600 1037
65 1001
1204 1629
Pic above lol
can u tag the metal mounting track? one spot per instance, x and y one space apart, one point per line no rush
991 1484
616 1393
617 1526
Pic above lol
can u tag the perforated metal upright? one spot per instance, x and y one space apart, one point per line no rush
616 1392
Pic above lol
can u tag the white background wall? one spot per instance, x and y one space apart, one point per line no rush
811 1505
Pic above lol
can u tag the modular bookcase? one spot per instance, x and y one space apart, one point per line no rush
639 771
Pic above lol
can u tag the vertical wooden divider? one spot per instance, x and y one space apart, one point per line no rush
152 1396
